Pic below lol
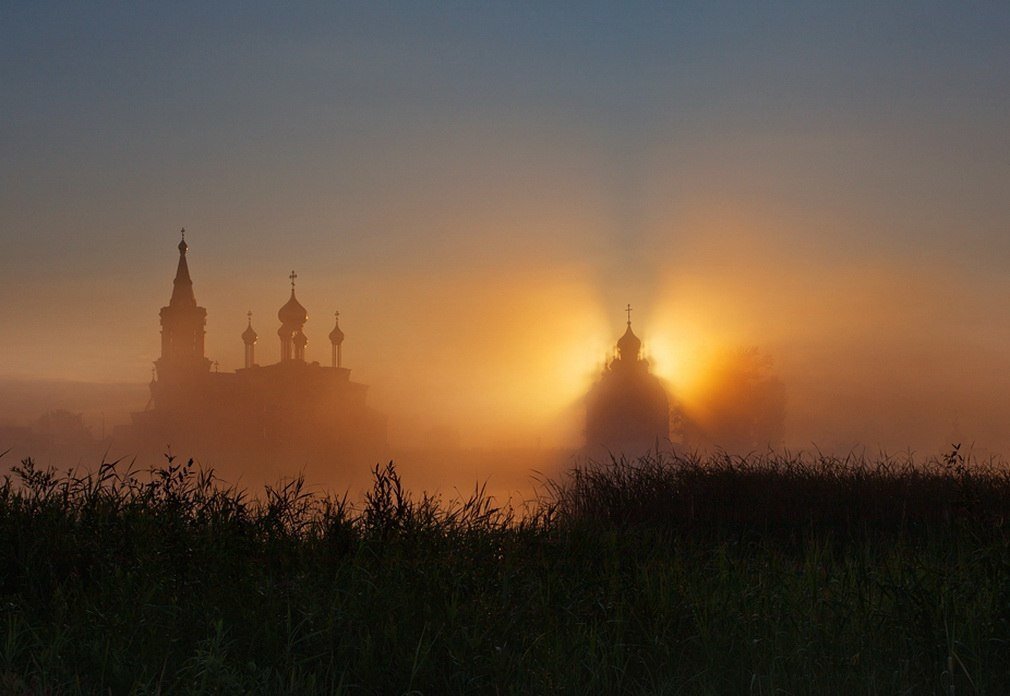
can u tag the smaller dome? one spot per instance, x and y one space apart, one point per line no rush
292 313
629 345
249 335
300 339
336 336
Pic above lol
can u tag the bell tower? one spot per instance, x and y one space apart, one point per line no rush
182 324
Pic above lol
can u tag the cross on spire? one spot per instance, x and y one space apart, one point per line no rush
628 310
292 277
249 314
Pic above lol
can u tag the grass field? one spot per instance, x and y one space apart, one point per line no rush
670 574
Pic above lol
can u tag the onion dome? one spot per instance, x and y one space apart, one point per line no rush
629 345
249 335
300 339
336 336
292 313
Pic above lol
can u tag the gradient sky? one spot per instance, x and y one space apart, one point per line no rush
480 190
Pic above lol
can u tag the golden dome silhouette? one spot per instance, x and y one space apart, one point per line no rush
336 336
249 335
292 313
629 345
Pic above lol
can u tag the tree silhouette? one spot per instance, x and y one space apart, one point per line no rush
743 408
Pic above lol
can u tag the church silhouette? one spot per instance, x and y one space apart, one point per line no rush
291 411
627 410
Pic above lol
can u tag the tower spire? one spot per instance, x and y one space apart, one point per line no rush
182 286
182 322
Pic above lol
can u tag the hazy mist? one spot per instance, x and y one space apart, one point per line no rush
480 194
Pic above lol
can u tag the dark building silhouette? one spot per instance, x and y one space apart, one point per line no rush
286 413
628 410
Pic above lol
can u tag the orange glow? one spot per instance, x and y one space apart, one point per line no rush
500 358
681 351
502 351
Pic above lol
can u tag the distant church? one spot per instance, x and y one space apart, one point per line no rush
627 410
285 413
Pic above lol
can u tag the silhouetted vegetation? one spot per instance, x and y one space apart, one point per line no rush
668 574
742 410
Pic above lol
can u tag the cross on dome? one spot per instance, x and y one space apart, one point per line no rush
249 335
292 314
629 346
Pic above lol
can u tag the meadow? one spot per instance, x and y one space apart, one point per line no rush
672 573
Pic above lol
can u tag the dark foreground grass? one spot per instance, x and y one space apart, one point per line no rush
761 575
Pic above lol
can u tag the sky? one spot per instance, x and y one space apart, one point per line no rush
480 189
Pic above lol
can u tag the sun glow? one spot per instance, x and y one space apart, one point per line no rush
665 358
567 366
677 354
579 360
509 357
